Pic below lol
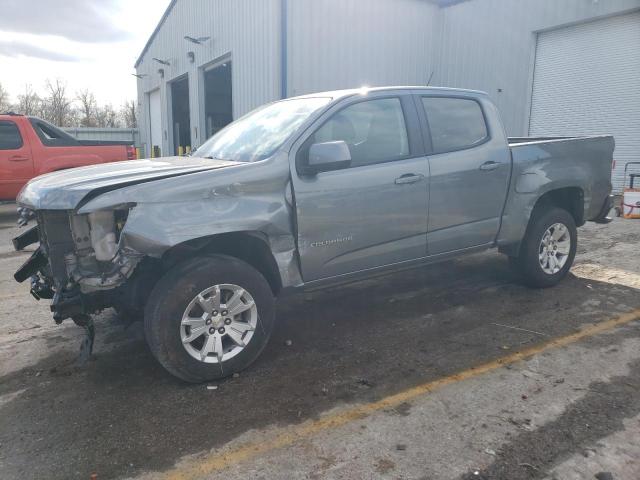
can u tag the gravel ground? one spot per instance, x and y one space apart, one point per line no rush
569 412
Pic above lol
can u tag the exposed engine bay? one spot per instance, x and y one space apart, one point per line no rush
79 262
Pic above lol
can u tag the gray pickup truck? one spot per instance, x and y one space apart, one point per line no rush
304 193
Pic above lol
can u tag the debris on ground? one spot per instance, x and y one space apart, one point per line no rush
86 346
489 451
604 476
236 375
401 447
384 465
288 343
520 329
364 382
212 387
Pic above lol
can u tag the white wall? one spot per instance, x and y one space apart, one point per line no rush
480 44
335 44
246 30
490 44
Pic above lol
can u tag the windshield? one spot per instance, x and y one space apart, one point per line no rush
258 135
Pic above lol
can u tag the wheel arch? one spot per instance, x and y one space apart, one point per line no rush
570 199
251 247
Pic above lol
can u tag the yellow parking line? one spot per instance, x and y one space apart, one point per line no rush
217 461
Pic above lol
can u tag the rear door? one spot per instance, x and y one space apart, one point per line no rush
470 168
374 212
16 162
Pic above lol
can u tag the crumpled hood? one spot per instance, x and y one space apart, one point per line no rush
65 189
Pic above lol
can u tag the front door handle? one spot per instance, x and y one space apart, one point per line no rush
490 165
409 178
18 158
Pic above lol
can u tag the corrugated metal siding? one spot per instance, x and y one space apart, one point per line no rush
481 44
587 82
247 30
91 133
336 44
490 44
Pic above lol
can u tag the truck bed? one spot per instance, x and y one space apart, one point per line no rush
515 141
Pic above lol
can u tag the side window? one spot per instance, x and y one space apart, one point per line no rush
455 123
10 138
374 130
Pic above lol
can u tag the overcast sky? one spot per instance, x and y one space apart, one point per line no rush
87 43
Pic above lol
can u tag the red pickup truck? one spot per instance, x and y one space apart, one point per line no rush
30 147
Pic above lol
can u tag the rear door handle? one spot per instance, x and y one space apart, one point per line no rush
409 178
490 165
18 158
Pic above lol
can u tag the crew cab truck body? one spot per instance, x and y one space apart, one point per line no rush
30 147
305 193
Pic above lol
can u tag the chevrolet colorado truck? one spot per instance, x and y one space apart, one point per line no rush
300 194
30 147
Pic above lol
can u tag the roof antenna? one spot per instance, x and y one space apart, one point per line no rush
430 77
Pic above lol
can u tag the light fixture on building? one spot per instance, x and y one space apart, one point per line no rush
191 56
161 72
196 40
162 62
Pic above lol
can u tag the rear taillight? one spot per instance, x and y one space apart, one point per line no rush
131 152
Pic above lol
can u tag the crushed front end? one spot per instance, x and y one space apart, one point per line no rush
79 263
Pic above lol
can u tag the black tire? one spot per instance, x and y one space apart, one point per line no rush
527 264
171 296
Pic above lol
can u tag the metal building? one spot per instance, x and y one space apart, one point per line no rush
569 67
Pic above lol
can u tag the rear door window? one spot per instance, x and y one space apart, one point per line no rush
10 138
455 123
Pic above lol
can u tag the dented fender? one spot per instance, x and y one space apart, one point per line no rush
169 212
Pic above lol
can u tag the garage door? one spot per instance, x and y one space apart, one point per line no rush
587 82
155 120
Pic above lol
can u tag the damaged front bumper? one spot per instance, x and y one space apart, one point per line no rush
64 267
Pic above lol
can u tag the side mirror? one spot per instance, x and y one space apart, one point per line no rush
327 156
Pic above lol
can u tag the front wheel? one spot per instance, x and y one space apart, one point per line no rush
209 317
548 249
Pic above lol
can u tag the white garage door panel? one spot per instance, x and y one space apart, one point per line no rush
155 120
587 82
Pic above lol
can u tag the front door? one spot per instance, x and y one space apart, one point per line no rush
16 162
470 169
374 212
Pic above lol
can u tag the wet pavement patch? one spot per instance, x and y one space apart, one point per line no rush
599 413
122 413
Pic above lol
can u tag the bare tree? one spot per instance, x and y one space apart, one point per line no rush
29 103
129 114
88 108
108 117
5 105
58 108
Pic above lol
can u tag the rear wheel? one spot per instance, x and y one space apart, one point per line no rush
209 317
548 249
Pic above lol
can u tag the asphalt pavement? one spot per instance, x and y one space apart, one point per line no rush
446 372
